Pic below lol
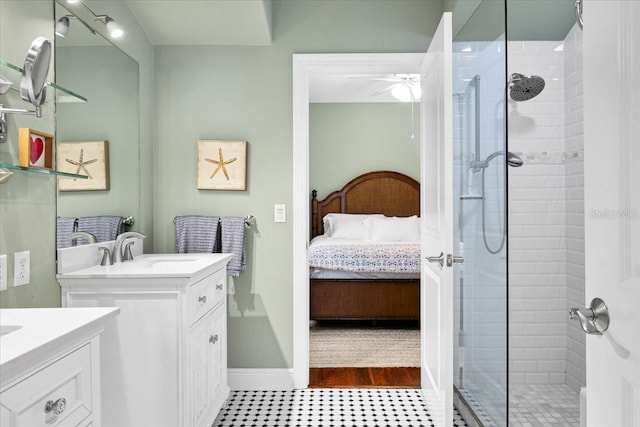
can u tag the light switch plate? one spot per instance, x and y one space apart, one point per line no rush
3 272
21 268
279 213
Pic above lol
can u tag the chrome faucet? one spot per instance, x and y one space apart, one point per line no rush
118 247
78 234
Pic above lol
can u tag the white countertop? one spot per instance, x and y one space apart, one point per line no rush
152 265
43 330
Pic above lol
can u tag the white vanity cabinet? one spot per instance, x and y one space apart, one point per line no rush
165 356
50 367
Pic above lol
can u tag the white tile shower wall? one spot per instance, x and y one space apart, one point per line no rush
546 252
537 250
576 369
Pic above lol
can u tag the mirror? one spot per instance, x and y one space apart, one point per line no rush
92 67
34 73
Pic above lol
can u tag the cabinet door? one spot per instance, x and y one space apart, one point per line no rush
205 342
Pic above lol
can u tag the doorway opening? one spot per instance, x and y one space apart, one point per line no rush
308 71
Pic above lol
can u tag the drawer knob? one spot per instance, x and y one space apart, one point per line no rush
56 407
202 299
219 286
213 339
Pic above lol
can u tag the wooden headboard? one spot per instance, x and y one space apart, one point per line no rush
385 192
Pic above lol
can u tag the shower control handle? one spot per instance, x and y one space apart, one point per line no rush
593 320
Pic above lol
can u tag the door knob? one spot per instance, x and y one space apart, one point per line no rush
454 260
439 259
593 320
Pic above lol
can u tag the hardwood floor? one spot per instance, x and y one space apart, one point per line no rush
364 378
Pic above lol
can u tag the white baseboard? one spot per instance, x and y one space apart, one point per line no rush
260 379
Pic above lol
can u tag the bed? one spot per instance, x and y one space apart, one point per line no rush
384 296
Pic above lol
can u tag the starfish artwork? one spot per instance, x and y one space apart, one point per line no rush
221 164
81 164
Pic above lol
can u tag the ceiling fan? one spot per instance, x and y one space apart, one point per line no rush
403 87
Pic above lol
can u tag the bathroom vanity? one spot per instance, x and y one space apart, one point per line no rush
50 366
165 356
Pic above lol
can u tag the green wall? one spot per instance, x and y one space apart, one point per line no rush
346 140
245 93
553 19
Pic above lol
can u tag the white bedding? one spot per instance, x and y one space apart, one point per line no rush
377 259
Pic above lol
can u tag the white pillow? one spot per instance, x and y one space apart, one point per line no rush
393 229
346 226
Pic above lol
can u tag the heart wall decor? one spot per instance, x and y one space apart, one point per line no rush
35 149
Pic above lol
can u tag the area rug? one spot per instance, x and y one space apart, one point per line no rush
356 347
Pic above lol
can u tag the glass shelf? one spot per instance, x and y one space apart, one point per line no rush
14 73
41 170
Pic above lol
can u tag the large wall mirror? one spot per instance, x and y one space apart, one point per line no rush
88 64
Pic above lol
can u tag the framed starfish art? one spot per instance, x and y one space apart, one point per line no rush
90 158
222 165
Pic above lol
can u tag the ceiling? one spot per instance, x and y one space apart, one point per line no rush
204 22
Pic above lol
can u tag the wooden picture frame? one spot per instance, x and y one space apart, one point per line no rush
90 158
35 149
222 165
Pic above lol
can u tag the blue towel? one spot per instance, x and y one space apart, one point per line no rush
64 227
233 241
104 227
196 234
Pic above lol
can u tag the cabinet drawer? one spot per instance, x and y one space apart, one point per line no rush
205 294
219 280
59 394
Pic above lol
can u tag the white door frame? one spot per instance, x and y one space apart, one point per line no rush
303 66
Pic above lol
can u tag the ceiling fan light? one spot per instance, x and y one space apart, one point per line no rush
417 91
401 92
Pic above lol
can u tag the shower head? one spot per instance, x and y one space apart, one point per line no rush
513 159
523 88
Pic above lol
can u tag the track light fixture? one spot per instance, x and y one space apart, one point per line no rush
112 27
62 26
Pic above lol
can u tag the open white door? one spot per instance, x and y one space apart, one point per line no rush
436 209
612 207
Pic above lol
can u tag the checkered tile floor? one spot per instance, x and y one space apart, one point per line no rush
328 408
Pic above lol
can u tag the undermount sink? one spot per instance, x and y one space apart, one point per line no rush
7 329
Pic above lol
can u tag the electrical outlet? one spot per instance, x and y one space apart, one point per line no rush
21 268
279 213
3 272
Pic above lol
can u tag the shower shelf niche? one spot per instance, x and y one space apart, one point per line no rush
61 94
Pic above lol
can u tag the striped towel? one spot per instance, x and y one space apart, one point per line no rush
233 241
64 227
196 233
104 227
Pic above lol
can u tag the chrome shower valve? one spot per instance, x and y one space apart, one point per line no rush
593 320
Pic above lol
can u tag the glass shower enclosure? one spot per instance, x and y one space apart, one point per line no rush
480 229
